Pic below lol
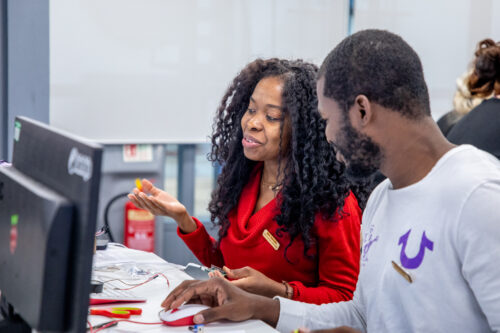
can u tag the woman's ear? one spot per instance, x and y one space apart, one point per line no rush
361 113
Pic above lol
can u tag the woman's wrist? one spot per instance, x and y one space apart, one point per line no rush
288 290
187 224
278 289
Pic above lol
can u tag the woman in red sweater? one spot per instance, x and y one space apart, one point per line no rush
289 224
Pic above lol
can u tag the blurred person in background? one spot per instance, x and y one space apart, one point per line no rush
481 126
463 102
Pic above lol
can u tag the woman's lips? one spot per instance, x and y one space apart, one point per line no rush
250 142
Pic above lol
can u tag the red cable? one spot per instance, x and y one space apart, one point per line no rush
121 281
148 280
126 320
166 278
132 321
90 327
140 284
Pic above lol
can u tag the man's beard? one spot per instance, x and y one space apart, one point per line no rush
362 156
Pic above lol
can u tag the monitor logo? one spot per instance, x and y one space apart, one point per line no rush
14 219
79 164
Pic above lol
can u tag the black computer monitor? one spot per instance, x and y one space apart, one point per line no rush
49 197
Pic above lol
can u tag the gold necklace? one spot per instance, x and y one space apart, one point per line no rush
270 186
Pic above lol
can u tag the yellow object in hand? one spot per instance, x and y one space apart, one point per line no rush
138 184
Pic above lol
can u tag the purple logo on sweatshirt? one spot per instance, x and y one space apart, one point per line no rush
416 261
367 243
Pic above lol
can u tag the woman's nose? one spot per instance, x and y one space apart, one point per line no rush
255 122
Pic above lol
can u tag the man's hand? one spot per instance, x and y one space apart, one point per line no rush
343 329
227 302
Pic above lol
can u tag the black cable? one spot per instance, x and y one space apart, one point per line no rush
106 212
10 321
6 309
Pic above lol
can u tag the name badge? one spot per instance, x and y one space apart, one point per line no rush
270 239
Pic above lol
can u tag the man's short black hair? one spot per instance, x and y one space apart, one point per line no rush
381 66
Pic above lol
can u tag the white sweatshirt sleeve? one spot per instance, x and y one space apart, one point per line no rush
295 314
478 247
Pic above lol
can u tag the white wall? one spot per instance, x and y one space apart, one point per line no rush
154 70
444 33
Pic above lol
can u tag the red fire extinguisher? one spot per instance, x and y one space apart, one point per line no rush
139 230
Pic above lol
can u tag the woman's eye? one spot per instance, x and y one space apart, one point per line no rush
272 118
251 111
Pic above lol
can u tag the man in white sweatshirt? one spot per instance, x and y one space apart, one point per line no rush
431 231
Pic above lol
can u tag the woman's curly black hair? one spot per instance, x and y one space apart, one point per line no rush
313 180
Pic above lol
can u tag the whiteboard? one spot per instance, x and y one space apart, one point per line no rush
144 71
444 33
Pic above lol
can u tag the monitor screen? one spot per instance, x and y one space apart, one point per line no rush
48 201
36 223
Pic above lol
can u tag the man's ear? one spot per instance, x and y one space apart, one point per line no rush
361 112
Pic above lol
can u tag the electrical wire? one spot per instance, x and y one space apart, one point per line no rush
135 285
106 213
148 280
139 284
119 280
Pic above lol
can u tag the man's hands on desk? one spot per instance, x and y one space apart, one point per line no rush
343 329
227 302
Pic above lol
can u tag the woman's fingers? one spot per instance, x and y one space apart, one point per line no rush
139 201
145 201
134 200
148 187
214 274
159 206
238 273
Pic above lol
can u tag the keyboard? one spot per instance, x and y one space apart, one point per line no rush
110 295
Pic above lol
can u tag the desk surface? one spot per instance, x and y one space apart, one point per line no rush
132 266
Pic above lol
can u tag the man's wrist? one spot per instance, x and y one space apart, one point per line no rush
266 309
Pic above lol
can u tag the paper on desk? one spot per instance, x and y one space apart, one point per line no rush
183 329
117 253
120 262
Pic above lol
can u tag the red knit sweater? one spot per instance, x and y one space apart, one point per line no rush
330 277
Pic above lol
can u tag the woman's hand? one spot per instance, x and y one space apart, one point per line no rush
255 282
160 203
